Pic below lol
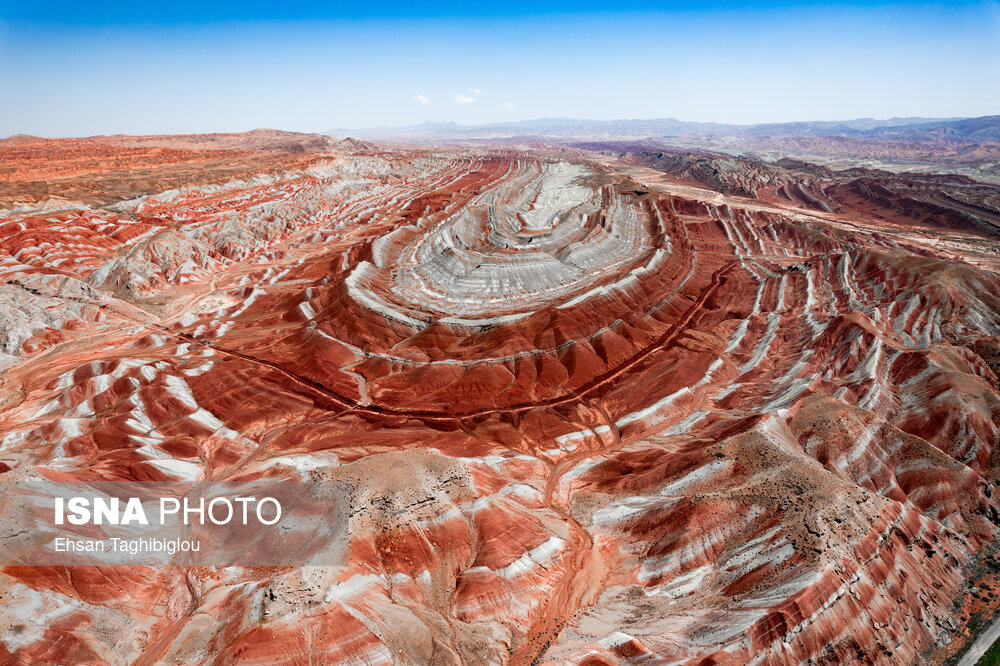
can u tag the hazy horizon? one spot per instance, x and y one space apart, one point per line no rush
332 130
668 118
111 68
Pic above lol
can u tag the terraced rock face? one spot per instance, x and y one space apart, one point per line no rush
587 413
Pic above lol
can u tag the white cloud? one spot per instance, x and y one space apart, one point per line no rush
475 91
506 106
423 99
462 99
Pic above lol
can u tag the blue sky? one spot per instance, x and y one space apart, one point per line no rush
76 69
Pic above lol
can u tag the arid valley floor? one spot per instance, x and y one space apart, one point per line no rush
596 403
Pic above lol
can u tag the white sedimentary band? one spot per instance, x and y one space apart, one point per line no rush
536 238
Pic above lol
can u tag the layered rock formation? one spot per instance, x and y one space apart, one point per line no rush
588 411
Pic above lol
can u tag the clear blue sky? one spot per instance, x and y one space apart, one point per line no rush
77 68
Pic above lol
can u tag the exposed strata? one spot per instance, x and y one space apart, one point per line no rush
589 411
52 174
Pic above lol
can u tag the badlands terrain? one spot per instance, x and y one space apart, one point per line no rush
969 146
601 403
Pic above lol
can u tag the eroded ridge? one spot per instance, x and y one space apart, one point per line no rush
587 413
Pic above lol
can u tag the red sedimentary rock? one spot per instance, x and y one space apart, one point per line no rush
589 411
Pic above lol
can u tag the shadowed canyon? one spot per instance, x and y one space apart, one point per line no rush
595 403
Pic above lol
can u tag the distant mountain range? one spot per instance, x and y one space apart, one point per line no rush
985 129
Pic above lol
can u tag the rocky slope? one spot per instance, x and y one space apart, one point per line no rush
605 409
970 146
64 173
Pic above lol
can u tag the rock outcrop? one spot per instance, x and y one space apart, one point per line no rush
588 411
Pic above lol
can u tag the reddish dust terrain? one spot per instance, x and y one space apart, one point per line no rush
593 407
